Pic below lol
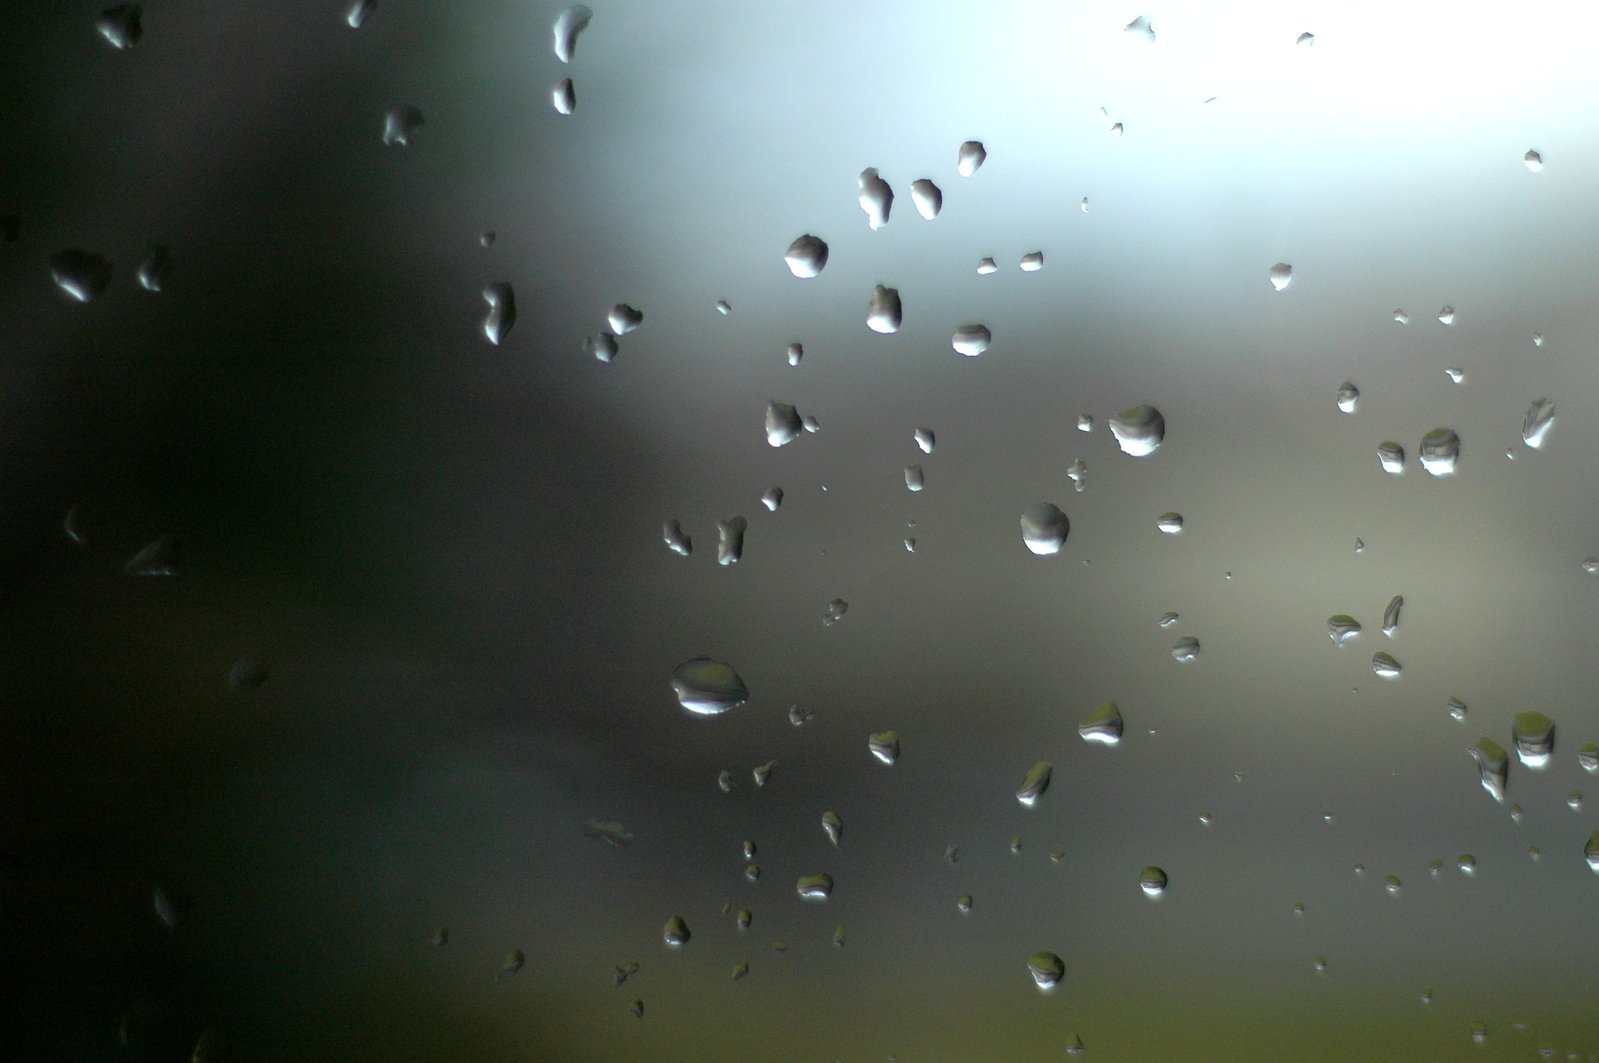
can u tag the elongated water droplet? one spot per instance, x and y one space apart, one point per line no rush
1046 968
568 24
1494 765
1032 262
359 12
884 313
924 439
927 197
400 124
1117 130
815 887
876 198
158 558
1440 450
501 314
1044 528
833 826
1281 276
985 266
1016 845
743 918
611 832
1034 783
638 1009
676 932
971 340
811 424
563 96
1185 649
884 746
624 971
741 969
730 540
1533 160
1588 757
1392 458
72 526
970 158
603 347
1139 430
1516 815
624 319
120 25
1085 422
1385 666
796 352
172 906
914 479
1590 565
1077 473
806 256
511 964
1152 880
153 271
1348 397
1538 423
1390 615
707 687
1456 376
1590 852
1170 523
84 275
1168 619
676 539
1103 726
1534 736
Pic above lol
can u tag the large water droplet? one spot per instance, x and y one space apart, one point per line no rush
1385 666
1392 458
924 439
1046 968
563 96
1281 275
927 198
1034 783
1185 649
676 932
152 272
1103 726
624 319
914 478
1152 880
1348 397
1534 736
359 12
568 24
884 313
884 746
1588 757
1139 430
730 540
1494 765
84 275
400 124
806 256
1032 262
708 687
1044 528
971 340
783 424
1533 160
815 887
1538 423
876 198
1440 450
1390 615
833 826
970 158
985 266
1170 523
159 557
120 25
501 314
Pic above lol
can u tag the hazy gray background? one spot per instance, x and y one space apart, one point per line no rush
450 552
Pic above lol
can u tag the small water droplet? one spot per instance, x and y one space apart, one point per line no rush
1305 40
1467 863
772 498
1360 870
624 319
1075 1046
172 905
740 969
833 826
1479 1032
1319 963
752 872
1516 815
1457 709
1493 763
1401 318
1281 276
120 25
876 198
501 314
1083 206
985 266
1392 458
1457 376
708 688
884 314
359 12
1590 851
1348 397
676 932
815 887
970 158
806 256
83 275
927 198
1185 649
563 96
568 24
971 340
1385 666
783 424
1103 726
400 124
1032 262
835 612
884 746
1046 968
1152 880
1588 757
1534 853
486 240
724 781
1057 855
1574 800
1139 430
511 964
1440 451
1140 29
910 546
762 773
952 853
811 424
924 439
1390 615
676 539
1446 316
730 540
159 557
1537 339
1533 160
1299 908
1034 783
1206 818
638 1009
1534 737
153 271
838 936
1360 545
1391 884
1077 473
603 347
1538 423
914 479
1044 528
1168 619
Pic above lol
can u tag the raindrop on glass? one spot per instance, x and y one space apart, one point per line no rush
724 781
985 266
884 746
1046 968
1392 884
72 526
924 439
1139 430
730 540
970 158
1185 649
1446 316
1588 757
1456 376
1305 40
914 479
1117 130
1085 422
796 352
1102 727
707 687
772 498
1533 160
1538 423
1493 764
740 969
1032 262
1152 880
963 903
1385 666
1168 619
1534 737
676 932
158 558
806 256
603 347
1392 458
876 198
783 424
815 887
762 774
1590 852
400 124
676 539
1390 616
501 314
1140 29
563 96
1077 473
83 275
884 313
1348 397
1574 800
835 612
359 12
1034 783
927 198
120 25
624 319
1281 276
1440 450
568 24
833 826
799 716
1401 318
1467 863
1044 528
248 673
1170 523
152 272
1319 963
511 964
1457 709
752 873
971 340
1075 1046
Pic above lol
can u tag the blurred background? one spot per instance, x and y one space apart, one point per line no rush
337 639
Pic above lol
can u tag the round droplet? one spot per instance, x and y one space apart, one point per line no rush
1440 450
752 873
1446 316
884 746
963 903
568 24
1538 423
1170 523
707 687
1457 709
1391 883
676 933
501 313
1032 262
400 124
1185 649
985 266
815 887
1401 318
1534 736
1102 727
563 96
1206 818
1044 528
914 478
1467 863
1574 800
1299 907
970 158
1152 880
1281 275
1139 430
927 197
835 612
1590 565
1319 963
1046 968
884 314
1348 397
1034 784
1392 458
1533 161
806 256
1385 666
743 918
971 340
624 319
876 198
1479 1032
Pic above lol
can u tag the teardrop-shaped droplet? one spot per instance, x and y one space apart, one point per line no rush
563 96
884 313
963 903
1152 880
970 158
676 932
806 256
1493 763
1170 523
884 746
1044 528
783 424
568 24
1075 1046
730 540
1440 451
927 197
1590 852
120 25
876 198
400 124
153 271
971 340
1102 727
815 887
707 687
833 826
172 905
1385 666
1392 458
1342 627
624 319
84 275
1185 649
1534 736
1046 968
1139 430
1390 615
796 352
1348 397
1538 423
1034 783
1281 275
501 314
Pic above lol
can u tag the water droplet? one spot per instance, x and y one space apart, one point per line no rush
603 347
1390 615
1391 884
1342 627
748 849
1360 870
1319 963
1401 318
400 124
838 936
1140 29
511 964
884 313
1590 851
1170 523
970 158
611 833
1044 528
1305 40
441 937
1206 818
1590 565
730 540
248 673
153 271
811 424
835 612
910 546
638 1009
971 340
783 424
914 479
1034 783
676 539
1534 853
1588 757
624 319
676 932
1537 339
1299 907
1085 422
927 198
806 256
1392 458
568 24
884 746
833 826
1348 397
707 687
1057 855
1538 423
501 314
1139 430
924 439
876 198
121 25
1446 316
1032 262
1185 649
1152 880
1440 450
1516 815
1457 709
563 96
1385 666
963 903
1360 545
1458 376
83 275
1533 160
1103 726
1077 473
1168 619
1117 130
1494 765
1479 1032
359 12
487 239
1574 800
985 266
1534 736
724 781
752 873
741 969
159 557
172 905
1281 275
1467 863
952 853
763 772
743 918
1046 968
815 887
1083 206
